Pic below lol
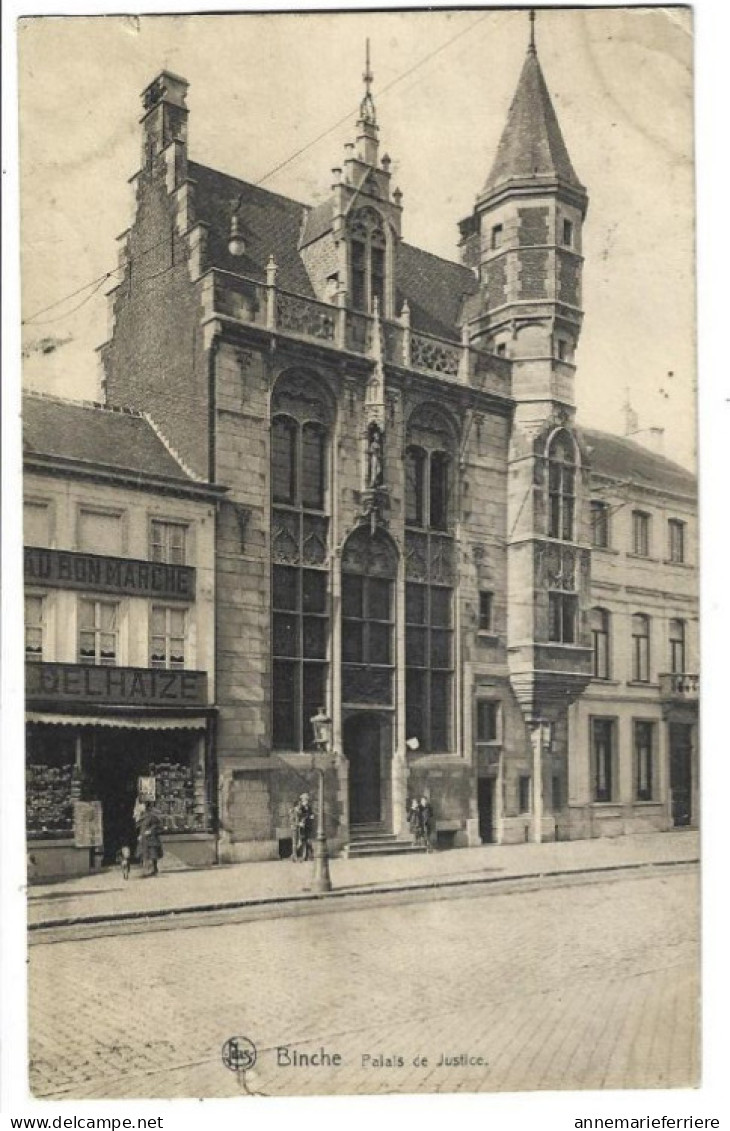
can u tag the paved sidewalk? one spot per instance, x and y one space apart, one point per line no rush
108 897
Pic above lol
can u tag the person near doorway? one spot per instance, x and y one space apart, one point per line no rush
149 845
296 837
414 822
426 810
305 826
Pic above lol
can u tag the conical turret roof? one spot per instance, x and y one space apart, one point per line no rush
531 146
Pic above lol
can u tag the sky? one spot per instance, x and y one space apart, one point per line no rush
264 86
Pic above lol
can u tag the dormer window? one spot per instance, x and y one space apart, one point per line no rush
367 260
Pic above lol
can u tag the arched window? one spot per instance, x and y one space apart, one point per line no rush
367 260
431 447
300 431
601 638
677 646
369 568
561 487
640 648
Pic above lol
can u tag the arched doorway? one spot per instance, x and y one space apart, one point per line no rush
367 747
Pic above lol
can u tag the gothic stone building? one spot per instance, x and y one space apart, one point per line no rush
405 538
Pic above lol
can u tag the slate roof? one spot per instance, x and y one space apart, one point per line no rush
275 225
621 458
87 433
531 144
270 224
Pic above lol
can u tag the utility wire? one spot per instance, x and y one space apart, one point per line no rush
325 133
381 94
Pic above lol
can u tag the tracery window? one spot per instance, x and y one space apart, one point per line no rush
561 487
367 260
429 579
300 434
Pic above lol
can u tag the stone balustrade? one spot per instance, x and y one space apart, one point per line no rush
269 306
680 685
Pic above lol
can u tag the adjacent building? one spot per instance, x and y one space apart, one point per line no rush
408 530
634 732
119 637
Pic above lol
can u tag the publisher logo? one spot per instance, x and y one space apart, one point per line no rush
239 1054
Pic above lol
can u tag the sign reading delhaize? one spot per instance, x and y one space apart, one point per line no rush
79 683
63 569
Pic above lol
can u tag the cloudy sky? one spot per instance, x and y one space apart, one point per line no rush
263 87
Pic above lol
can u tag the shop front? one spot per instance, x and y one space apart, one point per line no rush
85 771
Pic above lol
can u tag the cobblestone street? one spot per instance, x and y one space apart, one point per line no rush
592 985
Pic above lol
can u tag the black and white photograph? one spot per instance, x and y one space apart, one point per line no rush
360 553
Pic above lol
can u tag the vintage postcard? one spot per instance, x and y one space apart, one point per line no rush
361 552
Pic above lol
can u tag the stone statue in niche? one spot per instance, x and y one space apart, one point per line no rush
375 456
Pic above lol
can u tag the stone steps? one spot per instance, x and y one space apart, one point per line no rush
373 840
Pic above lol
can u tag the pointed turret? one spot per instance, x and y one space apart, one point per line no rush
531 147
524 240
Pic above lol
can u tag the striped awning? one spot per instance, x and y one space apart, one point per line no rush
46 718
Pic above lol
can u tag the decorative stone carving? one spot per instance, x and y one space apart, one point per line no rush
302 316
369 554
434 356
301 396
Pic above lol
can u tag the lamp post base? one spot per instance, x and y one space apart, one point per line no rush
321 875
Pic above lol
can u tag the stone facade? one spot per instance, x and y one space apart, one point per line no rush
254 311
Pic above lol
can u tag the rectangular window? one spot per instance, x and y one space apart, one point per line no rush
497 236
640 648
377 278
167 542
486 601
34 623
562 608
358 275
100 532
677 647
557 785
676 540
641 534
600 630
644 760
524 792
562 350
501 349
429 664
599 524
98 632
567 233
487 720
602 741
36 523
167 636
300 639
415 476
439 491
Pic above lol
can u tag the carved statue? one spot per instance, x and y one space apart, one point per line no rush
375 456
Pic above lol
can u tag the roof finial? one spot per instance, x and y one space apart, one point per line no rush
532 49
367 106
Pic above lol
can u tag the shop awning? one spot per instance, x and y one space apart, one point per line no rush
41 718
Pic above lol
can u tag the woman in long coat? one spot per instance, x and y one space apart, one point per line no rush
149 845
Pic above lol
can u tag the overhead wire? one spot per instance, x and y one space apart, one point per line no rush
30 319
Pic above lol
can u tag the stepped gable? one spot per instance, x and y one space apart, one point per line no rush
621 458
85 432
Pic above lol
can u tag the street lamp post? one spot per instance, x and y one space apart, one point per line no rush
322 727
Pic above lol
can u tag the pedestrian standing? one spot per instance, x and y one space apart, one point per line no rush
296 840
414 821
305 821
426 811
150 840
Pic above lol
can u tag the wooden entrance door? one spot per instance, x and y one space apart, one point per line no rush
485 805
680 772
362 742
